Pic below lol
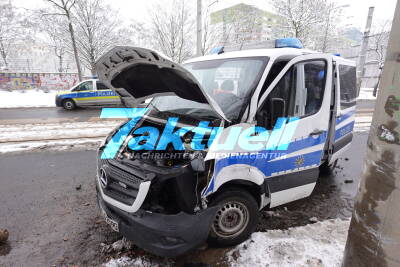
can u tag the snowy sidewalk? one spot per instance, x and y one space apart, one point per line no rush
29 98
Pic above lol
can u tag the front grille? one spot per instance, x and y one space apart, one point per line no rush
123 184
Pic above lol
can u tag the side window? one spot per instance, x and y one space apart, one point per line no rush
85 86
299 93
101 86
275 70
348 88
277 103
314 76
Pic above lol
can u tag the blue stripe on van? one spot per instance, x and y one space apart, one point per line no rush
262 159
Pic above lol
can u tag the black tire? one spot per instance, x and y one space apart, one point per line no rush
237 205
325 168
68 104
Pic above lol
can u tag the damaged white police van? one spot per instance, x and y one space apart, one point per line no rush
224 136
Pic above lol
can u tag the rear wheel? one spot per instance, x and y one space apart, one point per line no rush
68 104
235 220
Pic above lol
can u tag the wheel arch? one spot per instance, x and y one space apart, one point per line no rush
252 188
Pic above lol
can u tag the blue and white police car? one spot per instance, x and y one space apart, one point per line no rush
90 92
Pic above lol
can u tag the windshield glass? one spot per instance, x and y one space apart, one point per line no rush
228 81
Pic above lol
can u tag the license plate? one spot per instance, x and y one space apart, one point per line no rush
112 223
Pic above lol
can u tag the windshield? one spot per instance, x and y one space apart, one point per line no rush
228 81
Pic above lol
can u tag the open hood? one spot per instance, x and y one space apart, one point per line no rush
144 73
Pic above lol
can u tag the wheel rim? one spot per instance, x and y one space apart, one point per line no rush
68 105
231 219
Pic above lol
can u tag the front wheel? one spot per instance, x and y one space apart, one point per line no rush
68 104
236 219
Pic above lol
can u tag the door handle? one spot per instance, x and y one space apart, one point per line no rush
316 132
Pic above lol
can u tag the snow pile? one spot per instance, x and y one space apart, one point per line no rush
29 98
136 262
319 244
366 94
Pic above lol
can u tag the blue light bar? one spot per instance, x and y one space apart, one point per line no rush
288 42
217 50
337 54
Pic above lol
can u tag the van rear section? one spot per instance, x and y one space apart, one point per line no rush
253 132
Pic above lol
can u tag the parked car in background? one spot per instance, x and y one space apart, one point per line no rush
87 93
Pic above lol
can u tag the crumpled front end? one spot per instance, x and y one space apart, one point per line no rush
154 201
161 234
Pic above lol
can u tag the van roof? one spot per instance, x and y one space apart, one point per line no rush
270 52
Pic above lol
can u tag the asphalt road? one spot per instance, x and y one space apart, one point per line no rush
51 222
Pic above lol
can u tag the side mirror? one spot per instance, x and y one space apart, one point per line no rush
278 107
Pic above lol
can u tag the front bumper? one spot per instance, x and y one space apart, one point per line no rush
58 101
160 234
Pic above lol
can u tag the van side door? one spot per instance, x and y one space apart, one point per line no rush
296 105
346 108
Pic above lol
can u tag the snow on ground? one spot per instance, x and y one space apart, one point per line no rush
54 136
36 132
366 94
29 98
362 123
136 262
319 244
55 145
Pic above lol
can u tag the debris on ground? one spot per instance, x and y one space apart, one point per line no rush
313 219
78 187
319 244
117 246
348 181
3 235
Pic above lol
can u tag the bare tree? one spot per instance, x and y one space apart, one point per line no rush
379 39
138 34
11 29
301 16
97 29
172 29
331 14
63 8
210 33
56 35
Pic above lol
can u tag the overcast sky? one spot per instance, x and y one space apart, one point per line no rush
355 14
